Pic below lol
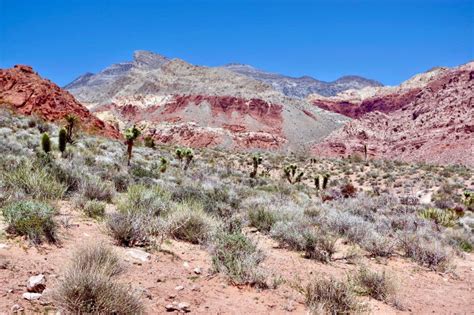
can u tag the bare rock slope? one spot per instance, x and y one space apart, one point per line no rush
429 118
180 103
24 91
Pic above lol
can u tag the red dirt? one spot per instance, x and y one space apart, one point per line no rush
420 291
27 93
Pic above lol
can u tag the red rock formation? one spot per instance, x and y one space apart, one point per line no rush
432 124
27 93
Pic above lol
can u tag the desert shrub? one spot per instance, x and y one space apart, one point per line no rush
142 199
94 208
45 143
262 219
429 253
330 296
129 229
320 247
32 219
93 188
348 190
378 245
121 181
188 222
89 285
290 234
445 217
236 256
377 285
35 182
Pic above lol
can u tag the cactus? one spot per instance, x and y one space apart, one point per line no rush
131 134
365 152
317 182
256 161
46 143
325 180
71 121
292 175
163 164
62 141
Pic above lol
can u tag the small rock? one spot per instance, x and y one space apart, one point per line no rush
16 308
179 288
170 307
186 264
36 283
31 296
185 307
197 270
196 288
139 254
4 246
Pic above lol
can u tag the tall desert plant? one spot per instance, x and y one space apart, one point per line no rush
131 134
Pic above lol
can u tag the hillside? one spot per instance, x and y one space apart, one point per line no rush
24 91
176 102
428 119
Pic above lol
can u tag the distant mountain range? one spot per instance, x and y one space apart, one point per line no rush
303 86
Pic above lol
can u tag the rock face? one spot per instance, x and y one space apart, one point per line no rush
26 92
180 103
303 86
432 121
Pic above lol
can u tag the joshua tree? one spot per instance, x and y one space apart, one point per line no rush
45 143
71 121
321 181
292 175
131 134
365 152
256 161
186 155
62 140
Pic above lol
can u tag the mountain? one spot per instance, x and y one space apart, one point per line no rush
177 102
428 118
303 86
27 93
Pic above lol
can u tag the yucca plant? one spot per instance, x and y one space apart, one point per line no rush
442 217
62 140
163 164
45 143
292 175
131 134
185 155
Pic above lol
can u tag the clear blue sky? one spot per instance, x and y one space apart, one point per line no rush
384 40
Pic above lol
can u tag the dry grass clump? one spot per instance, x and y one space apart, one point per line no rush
331 296
429 253
129 229
89 285
377 285
94 188
262 219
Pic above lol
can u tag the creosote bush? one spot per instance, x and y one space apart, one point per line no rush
94 209
89 285
262 219
31 219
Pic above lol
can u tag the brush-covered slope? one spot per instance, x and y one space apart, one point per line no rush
431 122
177 102
27 93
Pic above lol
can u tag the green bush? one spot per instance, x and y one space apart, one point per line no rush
45 143
94 209
32 219
262 219
62 140
35 182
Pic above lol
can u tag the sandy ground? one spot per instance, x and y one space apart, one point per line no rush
420 291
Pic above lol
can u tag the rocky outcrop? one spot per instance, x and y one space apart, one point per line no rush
27 93
429 123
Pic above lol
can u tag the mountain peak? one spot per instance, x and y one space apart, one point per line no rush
148 59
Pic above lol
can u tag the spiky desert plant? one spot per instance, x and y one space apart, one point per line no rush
131 134
163 164
325 180
188 157
149 142
256 161
71 122
365 152
291 174
62 140
46 143
179 154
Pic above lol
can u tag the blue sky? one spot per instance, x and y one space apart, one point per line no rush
384 40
